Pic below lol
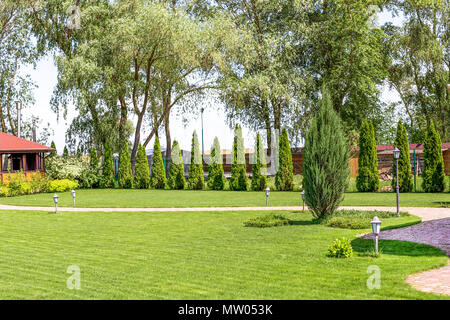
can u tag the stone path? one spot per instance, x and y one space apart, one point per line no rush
435 281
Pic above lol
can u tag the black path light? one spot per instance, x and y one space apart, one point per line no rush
73 196
267 196
55 199
303 199
376 225
396 156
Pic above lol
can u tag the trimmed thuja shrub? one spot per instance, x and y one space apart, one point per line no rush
433 169
158 175
239 179
196 181
108 180
176 179
325 162
405 177
259 167
53 145
284 179
216 179
368 178
125 179
65 152
141 170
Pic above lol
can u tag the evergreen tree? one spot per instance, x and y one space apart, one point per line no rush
79 153
259 167
141 170
239 179
404 162
367 179
374 160
325 162
284 179
176 179
93 162
158 173
108 180
125 179
53 145
433 169
196 180
65 152
216 179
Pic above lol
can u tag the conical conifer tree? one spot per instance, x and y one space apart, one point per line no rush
284 179
141 170
433 171
367 179
158 173
125 179
404 162
176 180
259 166
239 179
196 180
108 175
216 179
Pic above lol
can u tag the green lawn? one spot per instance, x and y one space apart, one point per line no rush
116 198
197 255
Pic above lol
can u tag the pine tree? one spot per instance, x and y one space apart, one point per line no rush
141 170
176 179
367 179
284 179
216 179
404 162
259 167
53 145
158 173
433 169
196 181
65 152
239 179
325 161
125 179
108 174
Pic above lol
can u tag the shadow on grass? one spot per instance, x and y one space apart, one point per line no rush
397 248
402 225
443 204
302 222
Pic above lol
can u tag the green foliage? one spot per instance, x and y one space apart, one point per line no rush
125 178
239 179
108 179
433 169
196 181
62 185
284 179
368 178
65 152
325 161
268 221
176 179
93 161
404 162
259 167
356 219
158 173
141 170
216 179
65 167
53 145
340 248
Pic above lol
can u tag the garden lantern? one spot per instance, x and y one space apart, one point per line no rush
376 225
55 199
303 200
396 156
73 196
267 196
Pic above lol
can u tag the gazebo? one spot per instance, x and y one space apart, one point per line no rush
21 154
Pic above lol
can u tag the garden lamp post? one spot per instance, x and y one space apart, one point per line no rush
396 156
55 199
267 196
376 225
303 199
73 196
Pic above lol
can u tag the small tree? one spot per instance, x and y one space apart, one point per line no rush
325 161
404 165
125 179
259 167
196 181
367 179
158 174
108 180
141 170
65 152
433 169
216 179
176 179
239 179
53 145
284 179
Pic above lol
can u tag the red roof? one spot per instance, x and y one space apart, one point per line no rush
13 144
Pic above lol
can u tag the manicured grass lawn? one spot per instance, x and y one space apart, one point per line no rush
197 255
116 198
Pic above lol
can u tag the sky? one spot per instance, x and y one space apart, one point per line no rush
214 123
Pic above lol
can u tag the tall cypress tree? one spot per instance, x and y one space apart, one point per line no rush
53 145
158 174
216 179
404 162
259 166
433 169
108 180
125 179
284 179
141 170
239 179
367 179
65 152
176 179
196 181
375 182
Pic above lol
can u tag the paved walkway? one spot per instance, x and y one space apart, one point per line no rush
435 281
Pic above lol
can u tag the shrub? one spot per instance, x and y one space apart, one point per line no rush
356 219
65 152
61 185
368 178
325 162
216 179
141 170
196 181
108 179
158 173
38 182
125 177
259 167
340 248
267 221
433 169
65 168
284 179
176 179
53 153
405 177
239 179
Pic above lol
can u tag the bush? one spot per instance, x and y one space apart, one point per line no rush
89 178
267 221
284 179
368 179
176 179
357 219
125 177
15 184
108 174
196 181
141 170
65 168
433 169
405 177
62 185
216 179
340 248
259 167
239 179
65 152
158 173
325 161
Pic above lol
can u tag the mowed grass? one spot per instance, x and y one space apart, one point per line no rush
197 255
126 198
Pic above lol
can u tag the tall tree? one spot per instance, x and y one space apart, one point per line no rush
284 179
142 170
216 179
239 179
368 178
176 178
259 166
108 174
433 169
404 162
158 174
196 180
125 179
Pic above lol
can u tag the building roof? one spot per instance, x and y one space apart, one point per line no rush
13 144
